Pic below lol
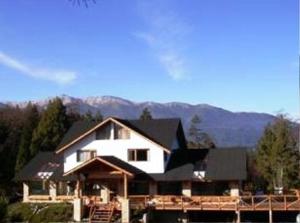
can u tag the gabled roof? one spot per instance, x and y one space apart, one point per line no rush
227 164
219 164
160 131
48 164
76 130
111 161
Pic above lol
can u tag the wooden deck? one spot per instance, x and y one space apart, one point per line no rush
218 203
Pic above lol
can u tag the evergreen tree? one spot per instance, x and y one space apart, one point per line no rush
88 116
198 138
73 116
98 117
31 115
51 127
146 114
277 157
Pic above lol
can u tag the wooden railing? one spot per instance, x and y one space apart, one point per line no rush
229 203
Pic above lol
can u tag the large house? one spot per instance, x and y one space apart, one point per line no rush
112 161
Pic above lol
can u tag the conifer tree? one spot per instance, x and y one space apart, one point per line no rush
277 157
31 120
198 138
98 117
88 116
146 114
51 127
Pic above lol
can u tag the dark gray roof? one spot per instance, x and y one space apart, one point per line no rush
181 157
219 164
122 164
43 162
180 173
76 130
161 131
227 164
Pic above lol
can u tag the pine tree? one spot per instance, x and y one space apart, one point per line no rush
98 117
73 116
88 116
198 138
31 120
277 157
51 128
146 114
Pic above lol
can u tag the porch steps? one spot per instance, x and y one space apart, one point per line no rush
102 214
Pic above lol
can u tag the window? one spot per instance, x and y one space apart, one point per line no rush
104 132
138 188
120 132
39 187
138 154
84 155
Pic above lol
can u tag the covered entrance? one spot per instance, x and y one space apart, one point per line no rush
102 180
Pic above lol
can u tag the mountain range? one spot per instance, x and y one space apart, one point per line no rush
226 128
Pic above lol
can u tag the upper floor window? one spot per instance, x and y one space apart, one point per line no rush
121 132
84 155
104 132
138 154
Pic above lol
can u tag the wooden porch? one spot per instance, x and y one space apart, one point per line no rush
217 203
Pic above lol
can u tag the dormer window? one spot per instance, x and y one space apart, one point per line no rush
84 155
121 132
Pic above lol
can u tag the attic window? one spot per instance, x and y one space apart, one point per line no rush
138 154
104 132
121 132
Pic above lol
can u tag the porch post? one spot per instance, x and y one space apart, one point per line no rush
25 192
234 189
153 188
77 203
125 186
53 190
78 188
187 188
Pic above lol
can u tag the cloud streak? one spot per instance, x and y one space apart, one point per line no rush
165 35
59 76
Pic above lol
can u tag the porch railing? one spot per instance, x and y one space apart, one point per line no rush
246 203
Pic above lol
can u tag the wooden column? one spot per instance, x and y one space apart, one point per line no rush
270 216
125 186
25 192
270 210
78 187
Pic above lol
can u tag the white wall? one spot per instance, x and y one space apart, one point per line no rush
118 148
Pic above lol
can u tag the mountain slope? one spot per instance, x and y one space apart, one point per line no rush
225 127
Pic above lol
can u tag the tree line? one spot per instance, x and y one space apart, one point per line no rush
24 132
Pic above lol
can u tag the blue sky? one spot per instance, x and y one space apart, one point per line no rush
239 55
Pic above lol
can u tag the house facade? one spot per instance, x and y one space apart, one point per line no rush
117 160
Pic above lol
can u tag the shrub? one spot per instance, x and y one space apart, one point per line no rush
54 213
20 212
3 208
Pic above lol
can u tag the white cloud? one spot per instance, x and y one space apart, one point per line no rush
59 76
166 36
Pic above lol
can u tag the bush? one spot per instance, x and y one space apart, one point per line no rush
20 212
54 213
36 213
3 208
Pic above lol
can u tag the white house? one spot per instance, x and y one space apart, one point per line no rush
108 162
